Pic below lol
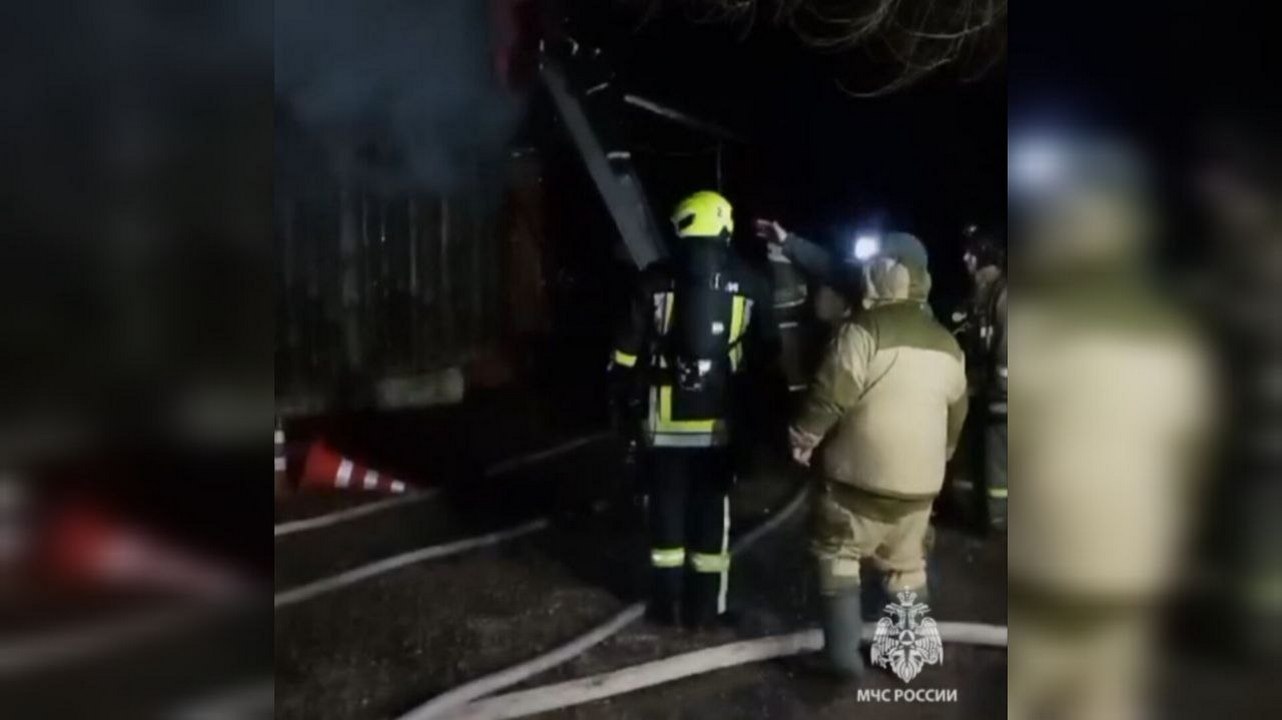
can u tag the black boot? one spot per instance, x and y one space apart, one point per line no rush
842 623
703 609
664 607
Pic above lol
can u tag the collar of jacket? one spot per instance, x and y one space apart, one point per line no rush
870 303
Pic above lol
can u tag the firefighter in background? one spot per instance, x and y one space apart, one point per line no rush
982 327
696 320
1116 402
837 288
890 399
814 292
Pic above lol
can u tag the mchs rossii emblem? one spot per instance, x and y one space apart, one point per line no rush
908 642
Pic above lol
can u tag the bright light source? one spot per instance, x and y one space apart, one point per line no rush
1035 163
866 246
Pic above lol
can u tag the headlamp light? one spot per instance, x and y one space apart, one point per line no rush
866 246
1036 164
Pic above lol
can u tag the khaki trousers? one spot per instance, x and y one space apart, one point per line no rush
1079 663
850 527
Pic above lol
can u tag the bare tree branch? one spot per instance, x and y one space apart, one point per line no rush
914 38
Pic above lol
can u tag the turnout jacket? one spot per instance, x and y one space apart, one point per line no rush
1117 406
682 352
890 396
986 341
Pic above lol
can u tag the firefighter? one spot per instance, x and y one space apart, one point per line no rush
696 320
890 399
1116 401
838 288
839 291
983 331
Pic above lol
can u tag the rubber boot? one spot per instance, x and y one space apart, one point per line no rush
703 609
995 479
842 623
664 607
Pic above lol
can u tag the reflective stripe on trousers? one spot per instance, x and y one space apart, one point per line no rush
718 563
995 479
667 557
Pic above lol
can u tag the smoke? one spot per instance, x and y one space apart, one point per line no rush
390 94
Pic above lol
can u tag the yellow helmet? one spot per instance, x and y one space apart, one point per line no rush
703 214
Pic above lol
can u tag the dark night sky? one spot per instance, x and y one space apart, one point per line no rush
819 159
1162 80
1124 64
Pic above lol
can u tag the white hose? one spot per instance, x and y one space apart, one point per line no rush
55 647
499 469
440 705
467 692
378 567
251 700
289 528
676 667
506 466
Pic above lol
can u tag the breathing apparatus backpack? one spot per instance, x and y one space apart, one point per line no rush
703 342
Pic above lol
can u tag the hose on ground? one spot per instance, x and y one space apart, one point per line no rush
378 567
676 667
485 685
499 469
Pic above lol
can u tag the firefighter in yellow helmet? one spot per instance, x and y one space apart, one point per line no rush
697 319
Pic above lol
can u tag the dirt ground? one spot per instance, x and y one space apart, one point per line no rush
379 648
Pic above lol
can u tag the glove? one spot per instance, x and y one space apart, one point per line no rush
802 445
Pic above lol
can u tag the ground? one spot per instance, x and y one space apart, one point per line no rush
383 646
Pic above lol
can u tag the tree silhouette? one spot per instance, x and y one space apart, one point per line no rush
908 40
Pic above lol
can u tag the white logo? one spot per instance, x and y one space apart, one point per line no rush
908 643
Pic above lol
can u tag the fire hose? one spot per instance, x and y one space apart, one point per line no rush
442 705
676 667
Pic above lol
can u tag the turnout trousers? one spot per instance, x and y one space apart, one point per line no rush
995 479
689 528
851 526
